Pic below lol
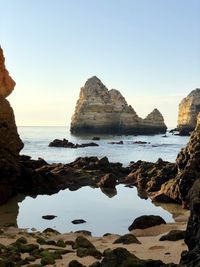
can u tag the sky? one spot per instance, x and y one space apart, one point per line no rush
147 49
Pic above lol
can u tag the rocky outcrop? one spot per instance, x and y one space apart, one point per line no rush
191 258
189 109
65 143
6 82
10 143
149 178
188 169
44 178
169 182
99 110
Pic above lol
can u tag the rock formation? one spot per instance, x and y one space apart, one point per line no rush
169 182
6 82
188 111
99 110
10 143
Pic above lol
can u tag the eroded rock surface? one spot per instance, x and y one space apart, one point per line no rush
44 178
10 143
99 110
189 109
6 82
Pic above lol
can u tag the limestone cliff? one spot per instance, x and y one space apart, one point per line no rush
188 111
99 110
10 143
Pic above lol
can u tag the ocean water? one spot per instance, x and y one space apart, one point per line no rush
102 213
36 140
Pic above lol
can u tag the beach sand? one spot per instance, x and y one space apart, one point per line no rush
150 247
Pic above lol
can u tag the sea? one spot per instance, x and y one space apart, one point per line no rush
103 214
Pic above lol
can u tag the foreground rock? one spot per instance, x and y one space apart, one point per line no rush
189 109
173 235
121 257
99 110
187 168
149 178
191 258
46 178
65 143
146 221
127 239
169 182
10 143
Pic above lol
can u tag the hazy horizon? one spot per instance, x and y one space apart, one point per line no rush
147 49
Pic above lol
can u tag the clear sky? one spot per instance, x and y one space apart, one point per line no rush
147 49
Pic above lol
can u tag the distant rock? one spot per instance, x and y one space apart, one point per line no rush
65 143
141 142
189 109
116 143
99 110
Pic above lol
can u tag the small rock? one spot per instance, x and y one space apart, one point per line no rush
127 239
84 252
48 217
75 263
78 221
173 235
41 240
51 242
22 240
61 243
82 242
84 232
50 230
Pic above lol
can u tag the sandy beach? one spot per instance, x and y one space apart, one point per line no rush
150 247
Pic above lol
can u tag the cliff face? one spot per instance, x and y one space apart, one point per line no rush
99 110
10 143
188 111
6 82
189 170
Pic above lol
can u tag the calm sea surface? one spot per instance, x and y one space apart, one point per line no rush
103 214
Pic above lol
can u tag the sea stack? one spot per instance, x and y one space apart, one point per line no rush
102 111
10 142
189 109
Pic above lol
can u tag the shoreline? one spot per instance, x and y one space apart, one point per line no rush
150 247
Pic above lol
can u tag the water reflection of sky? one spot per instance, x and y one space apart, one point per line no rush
103 214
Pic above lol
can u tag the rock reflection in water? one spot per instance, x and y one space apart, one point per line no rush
9 211
109 192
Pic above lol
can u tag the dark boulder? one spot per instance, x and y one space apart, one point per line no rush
146 221
78 221
173 235
127 239
121 257
65 143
